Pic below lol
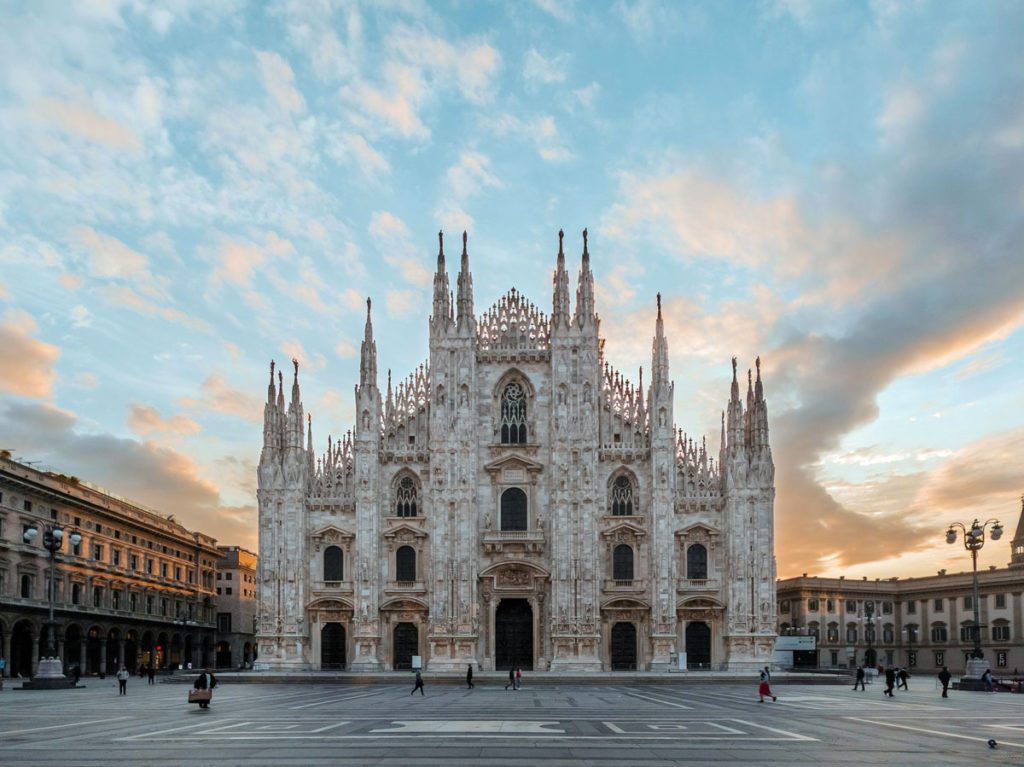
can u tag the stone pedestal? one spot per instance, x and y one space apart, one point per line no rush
975 668
575 652
49 676
366 654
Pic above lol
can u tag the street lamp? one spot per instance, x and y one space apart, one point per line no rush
910 646
870 629
51 667
974 540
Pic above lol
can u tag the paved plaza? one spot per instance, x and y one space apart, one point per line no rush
596 724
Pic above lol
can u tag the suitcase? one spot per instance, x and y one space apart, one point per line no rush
200 696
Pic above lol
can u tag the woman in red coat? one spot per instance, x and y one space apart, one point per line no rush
765 689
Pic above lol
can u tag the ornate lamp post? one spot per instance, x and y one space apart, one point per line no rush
51 667
870 629
910 647
974 540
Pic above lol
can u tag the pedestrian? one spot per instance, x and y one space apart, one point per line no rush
189 665
205 681
122 681
764 689
419 685
151 673
3 670
519 678
890 681
944 677
986 679
511 679
903 677
469 677
76 674
767 675
860 679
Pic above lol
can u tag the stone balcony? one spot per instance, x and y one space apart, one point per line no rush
406 587
331 588
517 541
633 586
688 585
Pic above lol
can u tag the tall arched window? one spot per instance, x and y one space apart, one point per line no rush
697 562
513 414
513 509
406 495
622 497
405 564
622 563
334 564
26 586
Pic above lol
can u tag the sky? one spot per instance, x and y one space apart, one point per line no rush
189 189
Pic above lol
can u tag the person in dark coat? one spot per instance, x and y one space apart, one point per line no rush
469 677
76 674
511 679
903 677
944 677
419 685
860 679
890 681
151 673
206 681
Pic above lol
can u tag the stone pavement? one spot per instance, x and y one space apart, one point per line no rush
634 724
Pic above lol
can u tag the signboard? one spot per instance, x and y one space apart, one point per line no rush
791 643
417 662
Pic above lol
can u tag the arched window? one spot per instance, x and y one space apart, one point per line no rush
406 494
334 564
26 586
832 634
939 632
513 414
622 497
513 509
405 564
622 563
697 562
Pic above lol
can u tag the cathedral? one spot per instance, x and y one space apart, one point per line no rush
515 502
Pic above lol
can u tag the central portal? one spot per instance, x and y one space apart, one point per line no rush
513 635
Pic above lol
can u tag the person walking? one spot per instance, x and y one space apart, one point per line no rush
903 676
860 679
76 674
419 684
764 689
986 679
944 677
511 679
519 678
890 681
206 681
122 681
767 675
469 677
151 673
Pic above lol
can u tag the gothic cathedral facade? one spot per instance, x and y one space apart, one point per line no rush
515 501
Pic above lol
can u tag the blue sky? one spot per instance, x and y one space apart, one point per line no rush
190 189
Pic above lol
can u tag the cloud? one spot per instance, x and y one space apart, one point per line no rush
109 258
352 148
237 259
81 317
542 132
87 380
471 65
279 81
218 396
903 108
155 476
400 303
295 351
346 349
70 282
146 421
81 120
464 180
538 70
560 9
3 292
129 299
392 239
392 109
26 363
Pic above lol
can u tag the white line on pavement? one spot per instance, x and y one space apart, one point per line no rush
58 726
658 700
932 732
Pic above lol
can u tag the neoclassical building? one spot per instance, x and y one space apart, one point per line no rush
516 501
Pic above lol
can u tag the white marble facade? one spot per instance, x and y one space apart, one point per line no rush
515 501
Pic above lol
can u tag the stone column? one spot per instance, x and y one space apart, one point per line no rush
60 651
120 653
83 659
35 654
103 657
5 652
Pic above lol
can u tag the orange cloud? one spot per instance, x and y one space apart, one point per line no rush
218 396
124 296
81 120
146 421
26 363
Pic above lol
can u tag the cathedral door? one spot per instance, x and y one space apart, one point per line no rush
332 646
698 645
623 647
406 643
513 635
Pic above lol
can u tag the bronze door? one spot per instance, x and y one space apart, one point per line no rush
513 635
